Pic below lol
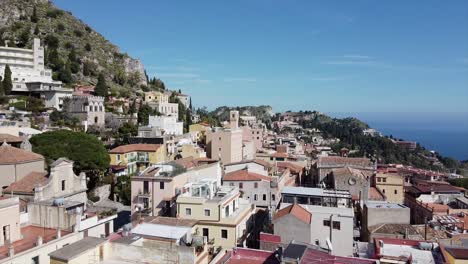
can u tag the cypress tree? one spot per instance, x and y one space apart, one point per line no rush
7 84
101 86
34 17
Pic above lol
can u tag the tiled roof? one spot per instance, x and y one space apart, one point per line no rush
343 161
28 183
191 162
135 147
12 155
441 208
261 162
9 138
312 255
375 194
295 168
347 171
296 210
245 175
393 229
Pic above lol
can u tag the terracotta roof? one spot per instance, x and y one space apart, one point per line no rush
298 211
28 183
347 171
245 175
441 208
343 161
10 138
393 229
12 155
375 194
279 155
135 147
191 162
458 253
295 168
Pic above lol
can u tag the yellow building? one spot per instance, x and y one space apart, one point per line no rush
223 217
88 250
155 96
200 129
391 185
456 255
137 157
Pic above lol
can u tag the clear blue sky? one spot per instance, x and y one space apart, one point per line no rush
332 56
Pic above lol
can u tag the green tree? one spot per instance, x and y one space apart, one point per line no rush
23 38
87 151
34 17
7 83
143 114
65 74
88 47
101 86
36 30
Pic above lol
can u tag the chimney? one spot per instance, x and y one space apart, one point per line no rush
11 251
39 241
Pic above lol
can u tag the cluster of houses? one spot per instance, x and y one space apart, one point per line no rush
238 193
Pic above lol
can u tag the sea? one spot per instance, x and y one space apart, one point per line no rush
446 133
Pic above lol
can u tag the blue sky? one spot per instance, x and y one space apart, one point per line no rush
332 56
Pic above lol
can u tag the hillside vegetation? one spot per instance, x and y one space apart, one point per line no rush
75 52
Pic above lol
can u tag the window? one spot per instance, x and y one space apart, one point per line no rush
384 179
241 185
219 149
231 184
226 211
188 211
336 225
383 190
224 233
145 187
63 185
264 197
219 138
326 222
206 233
273 197
379 179
35 260
396 192
255 197
255 185
161 185
317 242
6 233
207 212
95 119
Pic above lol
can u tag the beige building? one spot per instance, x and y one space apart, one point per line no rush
87 250
160 102
88 109
223 217
28 243
161 240
392 186
155 190
16 163
226 143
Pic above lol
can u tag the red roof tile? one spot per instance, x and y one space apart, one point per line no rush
245 175
28 183
10 138
135 147
12 155
296 210
332 161
295 168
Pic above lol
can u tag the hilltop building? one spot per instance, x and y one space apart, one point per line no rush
30 76
88 109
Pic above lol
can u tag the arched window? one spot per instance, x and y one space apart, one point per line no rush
95 120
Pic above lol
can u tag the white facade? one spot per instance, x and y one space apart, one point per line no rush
168 124
30 75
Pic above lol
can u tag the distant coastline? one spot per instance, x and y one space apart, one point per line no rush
446 133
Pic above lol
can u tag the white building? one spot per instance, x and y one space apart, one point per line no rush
167 124
30 75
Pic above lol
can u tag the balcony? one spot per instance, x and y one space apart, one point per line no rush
143 159
144 193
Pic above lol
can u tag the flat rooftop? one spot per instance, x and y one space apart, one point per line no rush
315 192
383 204
76 249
